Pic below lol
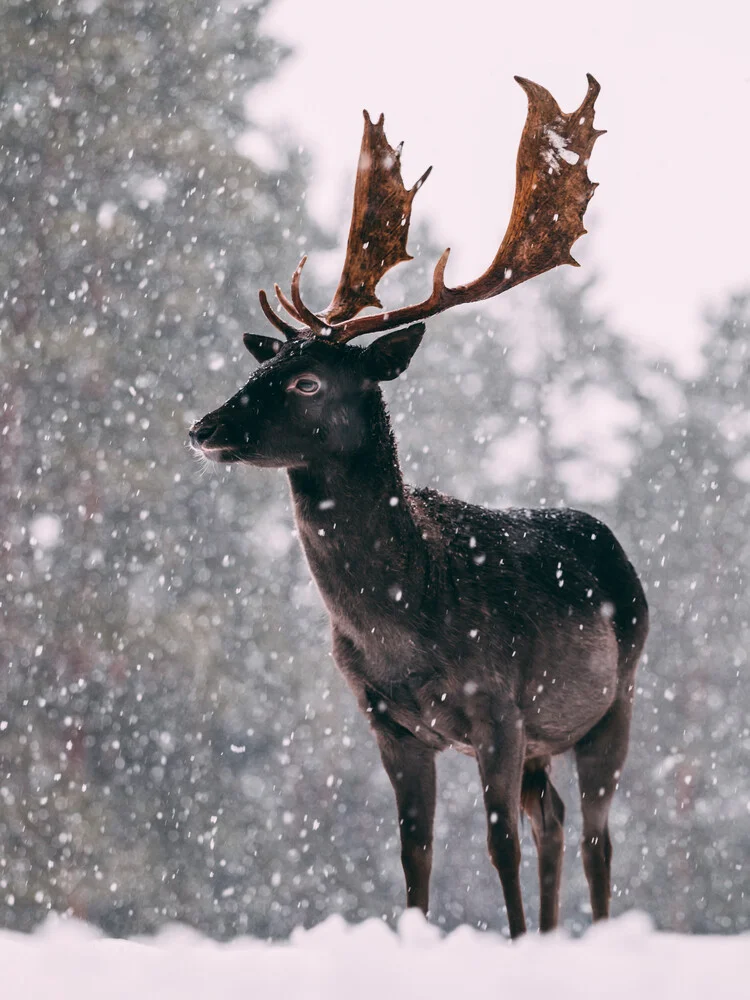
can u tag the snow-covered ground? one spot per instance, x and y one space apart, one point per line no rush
625 960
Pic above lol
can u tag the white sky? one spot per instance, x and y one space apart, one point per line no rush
670 223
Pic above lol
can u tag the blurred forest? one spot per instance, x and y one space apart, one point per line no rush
175 742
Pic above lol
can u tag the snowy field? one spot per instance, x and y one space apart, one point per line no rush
625 960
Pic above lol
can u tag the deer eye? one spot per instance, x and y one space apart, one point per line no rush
308 385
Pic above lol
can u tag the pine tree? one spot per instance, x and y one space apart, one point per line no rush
691 782
143 605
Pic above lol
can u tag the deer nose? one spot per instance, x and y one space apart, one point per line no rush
200 432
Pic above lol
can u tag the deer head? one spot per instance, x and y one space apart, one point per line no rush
314 393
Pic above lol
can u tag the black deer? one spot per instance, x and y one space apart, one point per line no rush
509 635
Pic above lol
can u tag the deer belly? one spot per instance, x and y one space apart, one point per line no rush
436 723
567 697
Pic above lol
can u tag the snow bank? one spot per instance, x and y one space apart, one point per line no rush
625 960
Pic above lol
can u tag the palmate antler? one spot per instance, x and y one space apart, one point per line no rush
552 192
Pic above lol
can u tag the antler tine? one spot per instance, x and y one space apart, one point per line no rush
315 323
587 107
440 294
438 276
290 332
287 304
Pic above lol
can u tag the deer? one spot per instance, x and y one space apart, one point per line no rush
512 635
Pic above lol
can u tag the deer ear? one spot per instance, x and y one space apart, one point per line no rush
389 355
261 348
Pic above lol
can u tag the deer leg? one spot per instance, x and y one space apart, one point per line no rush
600 756
500 751
545 809
411 769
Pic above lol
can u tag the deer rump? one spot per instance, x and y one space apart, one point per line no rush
539 610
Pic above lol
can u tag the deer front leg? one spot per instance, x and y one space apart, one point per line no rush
411 769
498 741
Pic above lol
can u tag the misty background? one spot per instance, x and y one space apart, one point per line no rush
175 742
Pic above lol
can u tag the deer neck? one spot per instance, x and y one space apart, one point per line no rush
357 530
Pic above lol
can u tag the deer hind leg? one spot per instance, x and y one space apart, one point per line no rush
600 756
499 750
411 769
545 809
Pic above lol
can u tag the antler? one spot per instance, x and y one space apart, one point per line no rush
380 224
552 192
377 237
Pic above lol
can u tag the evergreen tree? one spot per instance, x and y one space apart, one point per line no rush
687 860
135 654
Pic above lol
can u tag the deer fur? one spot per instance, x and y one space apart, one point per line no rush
511 635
